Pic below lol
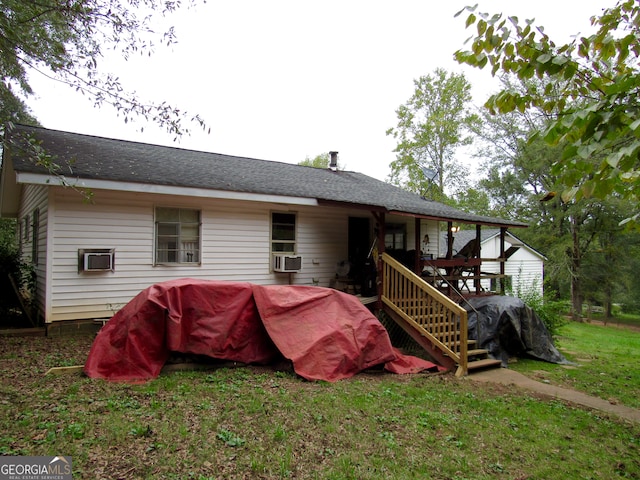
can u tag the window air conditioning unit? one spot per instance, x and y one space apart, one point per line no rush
96 260
287 263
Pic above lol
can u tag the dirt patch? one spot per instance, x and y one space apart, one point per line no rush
614 324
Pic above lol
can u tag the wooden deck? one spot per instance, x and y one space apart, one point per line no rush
456 275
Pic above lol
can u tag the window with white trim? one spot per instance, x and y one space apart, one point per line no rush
283 232
177 235
495 284
395 236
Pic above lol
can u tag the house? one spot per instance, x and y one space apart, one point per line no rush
156 213
523 266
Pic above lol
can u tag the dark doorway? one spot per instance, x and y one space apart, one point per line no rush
359 240
362 267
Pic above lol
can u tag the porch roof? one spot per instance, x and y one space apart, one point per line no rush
87 158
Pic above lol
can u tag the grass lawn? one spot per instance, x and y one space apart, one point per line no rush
607 362
254 422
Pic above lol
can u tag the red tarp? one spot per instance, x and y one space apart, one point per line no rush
328 335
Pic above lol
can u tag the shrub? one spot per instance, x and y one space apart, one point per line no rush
13 267
550 312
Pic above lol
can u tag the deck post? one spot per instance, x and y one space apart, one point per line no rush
380 232
449 240
417 258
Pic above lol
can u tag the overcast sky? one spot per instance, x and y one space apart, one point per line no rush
284 79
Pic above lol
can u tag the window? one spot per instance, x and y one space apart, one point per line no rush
35 230
283 232
495 284
177 235
394 237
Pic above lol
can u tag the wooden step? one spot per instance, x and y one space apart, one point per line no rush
484 363
477 352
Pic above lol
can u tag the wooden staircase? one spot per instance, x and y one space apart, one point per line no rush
478 359
433 320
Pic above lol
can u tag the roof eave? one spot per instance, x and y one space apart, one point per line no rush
96 184
485 222
9 189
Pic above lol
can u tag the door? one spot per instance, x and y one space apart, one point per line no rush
363 270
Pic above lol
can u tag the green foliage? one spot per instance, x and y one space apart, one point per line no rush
624 270
550 311
12 265
141 431
230 439
517 171
322 160
13 109
590 94
8 244
473 200
431 126
582 240
66 40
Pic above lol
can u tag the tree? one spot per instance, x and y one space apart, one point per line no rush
13 109
521 182
431 126
473 200
66 39
517 171
591 88
319 161
630 285
605 271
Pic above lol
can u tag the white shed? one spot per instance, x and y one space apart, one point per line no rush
524 265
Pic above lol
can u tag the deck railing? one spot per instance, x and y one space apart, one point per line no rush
442 321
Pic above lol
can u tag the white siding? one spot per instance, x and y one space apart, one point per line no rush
526 271
431 228
235 243
235 246
525 266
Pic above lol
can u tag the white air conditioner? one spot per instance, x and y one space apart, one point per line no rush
287 263
96 262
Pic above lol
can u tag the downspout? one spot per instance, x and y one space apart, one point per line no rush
502 259
476 254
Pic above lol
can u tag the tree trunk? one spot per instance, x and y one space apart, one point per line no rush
608 302
574 265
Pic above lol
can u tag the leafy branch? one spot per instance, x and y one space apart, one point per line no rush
590 91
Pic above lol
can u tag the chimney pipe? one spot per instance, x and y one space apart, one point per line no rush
333 164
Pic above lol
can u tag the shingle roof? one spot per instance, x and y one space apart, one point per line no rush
98 158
